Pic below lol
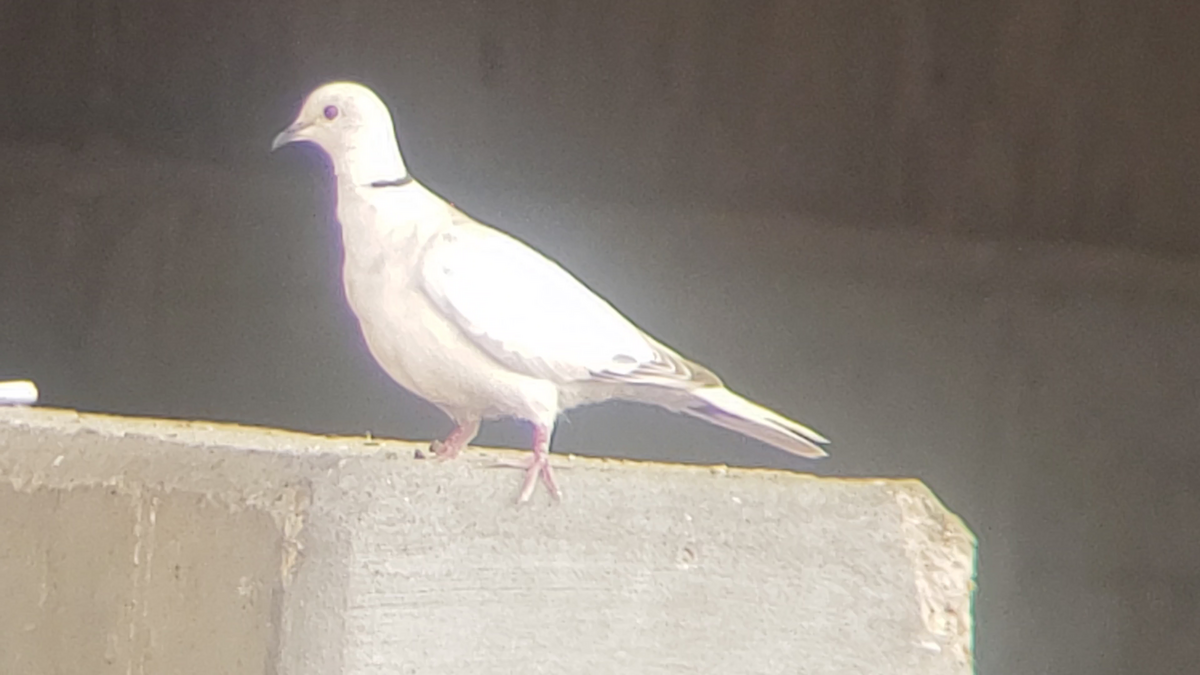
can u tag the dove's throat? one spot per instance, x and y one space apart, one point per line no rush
368 159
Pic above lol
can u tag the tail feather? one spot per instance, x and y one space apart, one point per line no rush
724 408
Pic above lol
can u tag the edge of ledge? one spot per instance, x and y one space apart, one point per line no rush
253 438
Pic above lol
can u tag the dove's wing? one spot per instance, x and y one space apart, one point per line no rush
535 318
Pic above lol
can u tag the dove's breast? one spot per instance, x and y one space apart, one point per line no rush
417 345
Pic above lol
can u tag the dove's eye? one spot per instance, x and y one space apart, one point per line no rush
331 112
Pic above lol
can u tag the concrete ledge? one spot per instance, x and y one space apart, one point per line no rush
153 546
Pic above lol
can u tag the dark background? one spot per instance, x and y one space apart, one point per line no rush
960 238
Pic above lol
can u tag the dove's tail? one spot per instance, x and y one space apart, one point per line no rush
719 406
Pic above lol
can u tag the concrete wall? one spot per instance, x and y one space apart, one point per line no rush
957 238
152 547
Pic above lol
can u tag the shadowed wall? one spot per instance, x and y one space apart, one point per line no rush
957 237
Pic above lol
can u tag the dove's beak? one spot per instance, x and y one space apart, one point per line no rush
294 133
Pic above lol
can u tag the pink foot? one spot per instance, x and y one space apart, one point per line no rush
458 439
539 467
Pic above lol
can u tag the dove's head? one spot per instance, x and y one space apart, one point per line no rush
353 126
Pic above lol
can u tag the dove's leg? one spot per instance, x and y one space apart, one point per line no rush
539 466
458 439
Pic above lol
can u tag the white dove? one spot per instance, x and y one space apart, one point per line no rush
480 324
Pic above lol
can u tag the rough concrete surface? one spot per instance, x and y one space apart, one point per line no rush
156 546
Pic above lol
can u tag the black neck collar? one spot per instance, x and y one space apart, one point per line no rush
395 182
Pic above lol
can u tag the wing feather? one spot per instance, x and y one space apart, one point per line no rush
529 313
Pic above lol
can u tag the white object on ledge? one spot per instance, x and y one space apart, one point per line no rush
18 392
